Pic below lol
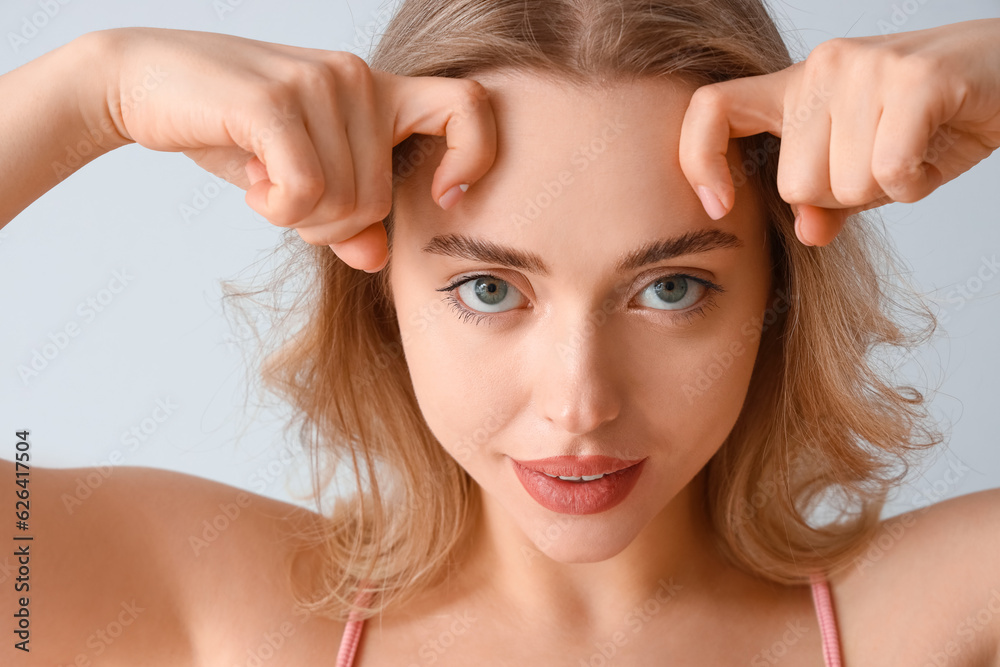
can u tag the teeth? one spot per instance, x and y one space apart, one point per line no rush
585 478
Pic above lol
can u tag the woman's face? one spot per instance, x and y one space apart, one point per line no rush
589 339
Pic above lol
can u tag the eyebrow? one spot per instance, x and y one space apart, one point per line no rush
483 250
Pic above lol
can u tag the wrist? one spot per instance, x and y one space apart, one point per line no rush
94 55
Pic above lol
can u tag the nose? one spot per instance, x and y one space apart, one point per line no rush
575 386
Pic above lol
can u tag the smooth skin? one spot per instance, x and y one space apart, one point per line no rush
126 554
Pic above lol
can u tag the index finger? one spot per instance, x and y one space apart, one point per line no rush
722 111
457 109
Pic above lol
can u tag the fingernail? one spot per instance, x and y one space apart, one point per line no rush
713 206
798 231
449 198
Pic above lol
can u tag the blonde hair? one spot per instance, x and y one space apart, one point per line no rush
820 422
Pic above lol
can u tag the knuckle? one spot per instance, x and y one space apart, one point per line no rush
474 91
296 202
798 190
920 67
339 206
351 69
273 92
312 77
831 52
283 217
898 178
709 97
895 169
469 95
313 236
308 185
851 194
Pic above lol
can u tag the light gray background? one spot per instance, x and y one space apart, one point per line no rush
163 337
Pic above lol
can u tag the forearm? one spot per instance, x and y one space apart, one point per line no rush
54 119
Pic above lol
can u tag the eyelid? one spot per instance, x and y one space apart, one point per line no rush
496 274
645 278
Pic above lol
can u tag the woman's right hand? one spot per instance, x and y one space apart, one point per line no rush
308 133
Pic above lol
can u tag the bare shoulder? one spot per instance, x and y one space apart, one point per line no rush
133 564
928 587
234 551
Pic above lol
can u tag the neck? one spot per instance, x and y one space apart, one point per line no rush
674 552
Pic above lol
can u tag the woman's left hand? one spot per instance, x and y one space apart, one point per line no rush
863 121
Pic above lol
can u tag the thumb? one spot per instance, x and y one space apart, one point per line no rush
719 112
818 226
369 247
457 109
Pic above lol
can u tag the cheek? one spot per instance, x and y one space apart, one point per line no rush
462 397
691 389
718 371
450 371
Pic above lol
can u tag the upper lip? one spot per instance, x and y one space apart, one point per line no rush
577 466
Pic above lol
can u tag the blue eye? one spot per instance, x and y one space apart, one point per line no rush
484 291
679 291
484 294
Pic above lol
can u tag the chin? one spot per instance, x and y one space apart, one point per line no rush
586 553
580 539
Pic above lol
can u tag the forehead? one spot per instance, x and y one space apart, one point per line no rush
597 159
534 105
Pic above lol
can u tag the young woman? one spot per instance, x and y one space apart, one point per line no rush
586 263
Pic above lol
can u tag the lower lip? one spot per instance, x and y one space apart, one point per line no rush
565 497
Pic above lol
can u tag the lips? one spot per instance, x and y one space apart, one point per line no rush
577 466
578 497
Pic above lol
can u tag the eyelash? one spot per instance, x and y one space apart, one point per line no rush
707 303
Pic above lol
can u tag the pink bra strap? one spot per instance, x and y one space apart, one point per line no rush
352 634
820 594
827 619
